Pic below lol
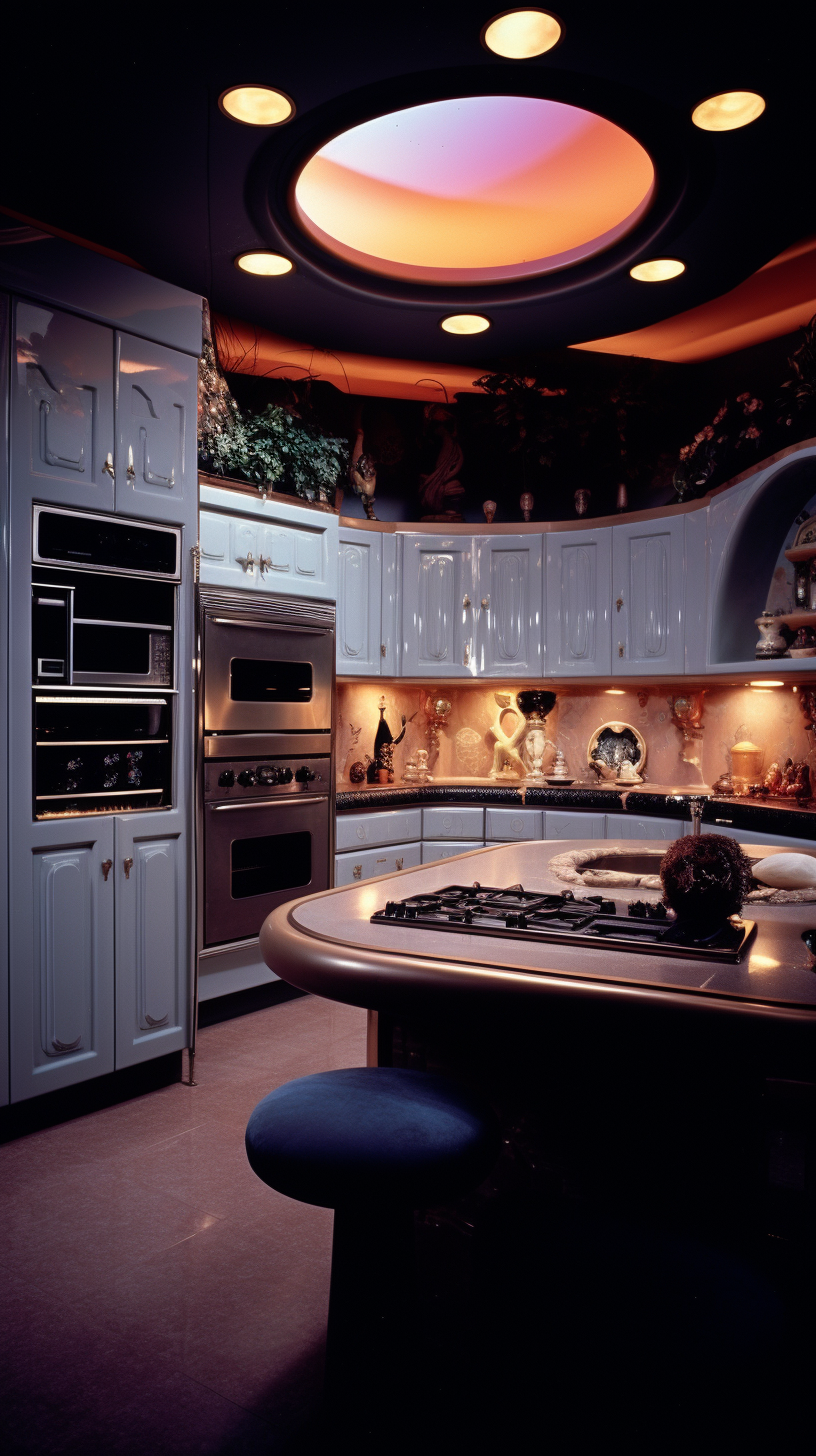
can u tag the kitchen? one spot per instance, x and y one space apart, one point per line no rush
224 692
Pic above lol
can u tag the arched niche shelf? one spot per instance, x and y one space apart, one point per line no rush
744 557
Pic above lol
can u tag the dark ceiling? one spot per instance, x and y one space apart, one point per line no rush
116 136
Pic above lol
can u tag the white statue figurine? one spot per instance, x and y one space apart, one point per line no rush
506 756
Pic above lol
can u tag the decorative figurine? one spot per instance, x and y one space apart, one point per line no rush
489 508
746 764
622 499
507 761
582 498
559 773
384 744
437 711
723 787
771 642
526 503
362 474
804 643
687 712
535 704
442 485
357 772
628 774
613 744
423 776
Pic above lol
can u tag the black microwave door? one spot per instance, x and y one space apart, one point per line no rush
257 856
266 678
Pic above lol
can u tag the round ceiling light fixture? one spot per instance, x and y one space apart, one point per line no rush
265 265
520 34
728 111
464 323
657 270
257 105
474 190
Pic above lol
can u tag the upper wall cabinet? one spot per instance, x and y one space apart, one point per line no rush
579 630
62 408
437 606
647 583
267 546
509 606
156 399
359 593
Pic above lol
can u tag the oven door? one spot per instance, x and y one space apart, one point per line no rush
259 854
265 677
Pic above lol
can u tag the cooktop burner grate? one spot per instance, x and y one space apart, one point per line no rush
521 914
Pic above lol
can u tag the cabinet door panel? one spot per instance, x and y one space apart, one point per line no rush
156 396
365 865
436 849
510 606
648 582
391 826
437 608
358 603
152 950
578 602
565 824
227 543
505 825
454 823
62 412
629 826
62 959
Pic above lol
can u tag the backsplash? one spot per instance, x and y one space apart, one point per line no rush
768 717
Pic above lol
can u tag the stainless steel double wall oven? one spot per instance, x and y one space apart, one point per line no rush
266 764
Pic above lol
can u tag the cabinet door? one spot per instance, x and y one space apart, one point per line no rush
436 849
229 550
579 628
453 823
647 581
62 410
509 606
156 400
503 826
292 559
358 604
629 826
391 826
152 938
367 863
563 824
61 924
437 607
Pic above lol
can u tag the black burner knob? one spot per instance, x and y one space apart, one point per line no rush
226 779
247 778
286 776
305 775
268 774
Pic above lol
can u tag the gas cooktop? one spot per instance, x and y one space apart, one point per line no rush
592 921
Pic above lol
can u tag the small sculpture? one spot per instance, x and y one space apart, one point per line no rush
535 704
489 508
559 773
771 642
437 711
582 498
384 744
613 744
507 761
628 774
687 712
442 484
362 474
622 499
357 772
423 776
526 503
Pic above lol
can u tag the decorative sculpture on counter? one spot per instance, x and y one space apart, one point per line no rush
790 782
357 772
384 744
507 761
582 498
613 744
526 503
807 702
687 712
489 508
535 704
437 711
443 484
559 773
746 765
362 474
416 769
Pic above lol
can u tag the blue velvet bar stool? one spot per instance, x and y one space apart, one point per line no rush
374 1144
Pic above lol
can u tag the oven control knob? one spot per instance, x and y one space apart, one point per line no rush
268 774
247 778
305 775
226 779
286 776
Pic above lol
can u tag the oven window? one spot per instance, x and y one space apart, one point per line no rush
113 650
272 862
258 680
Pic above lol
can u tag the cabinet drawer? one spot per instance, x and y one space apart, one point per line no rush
392 826
348 868
754 836
564 824
445 849
464 823
506 825
629 826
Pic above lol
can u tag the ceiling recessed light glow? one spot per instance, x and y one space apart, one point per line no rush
657 270
266 265
257 105
520 34
728 111
767 682
465 323
474 189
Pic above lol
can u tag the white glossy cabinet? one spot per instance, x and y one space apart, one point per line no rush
267 546
509 606
579 603
505 825
365 864
460 821
753 836
438 849
387 826
359 596
575 824
152 882
437 606
156 413
647 586
629 826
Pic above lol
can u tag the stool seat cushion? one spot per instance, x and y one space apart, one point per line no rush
367 1134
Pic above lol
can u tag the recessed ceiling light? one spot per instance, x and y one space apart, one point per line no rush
520 34
267 265
657 270
767 682
257 105
465 323
728 111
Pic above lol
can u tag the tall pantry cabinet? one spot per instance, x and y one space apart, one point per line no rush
100 399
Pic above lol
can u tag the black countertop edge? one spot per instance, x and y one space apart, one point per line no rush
770 819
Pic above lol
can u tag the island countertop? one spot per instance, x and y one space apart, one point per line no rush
326 944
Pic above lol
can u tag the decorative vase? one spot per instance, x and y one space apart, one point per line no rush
535 704
526 503
771 642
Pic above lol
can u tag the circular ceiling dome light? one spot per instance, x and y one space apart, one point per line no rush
657 270
465 323
266 265
257 105
479 189
520 34
728 111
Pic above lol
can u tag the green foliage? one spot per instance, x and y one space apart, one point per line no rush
277 450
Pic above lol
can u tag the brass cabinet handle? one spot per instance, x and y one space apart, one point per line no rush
106 867
485 602
248 561
467 602
127 866
619 603
131 469
108 466
358 872
399 864
383 650
264 562
620 649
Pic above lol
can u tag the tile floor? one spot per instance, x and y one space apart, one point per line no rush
156 1297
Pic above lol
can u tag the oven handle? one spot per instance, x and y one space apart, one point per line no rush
271 803
269 626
